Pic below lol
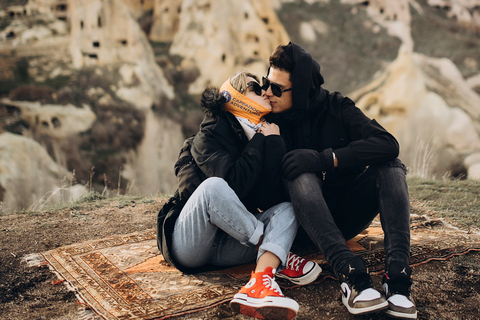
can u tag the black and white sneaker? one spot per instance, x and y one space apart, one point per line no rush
397 282
358 294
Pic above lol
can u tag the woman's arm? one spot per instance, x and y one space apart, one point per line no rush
222 154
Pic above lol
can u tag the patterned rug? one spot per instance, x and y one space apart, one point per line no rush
125 277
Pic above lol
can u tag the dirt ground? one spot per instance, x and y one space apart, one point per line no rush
442 289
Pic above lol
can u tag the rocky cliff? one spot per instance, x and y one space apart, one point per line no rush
218 38
108 88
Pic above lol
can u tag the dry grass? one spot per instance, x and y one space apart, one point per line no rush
456 200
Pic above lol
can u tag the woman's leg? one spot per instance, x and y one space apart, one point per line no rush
280 230
214 205
281 227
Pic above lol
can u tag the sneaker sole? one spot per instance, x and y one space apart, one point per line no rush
268 308
266 313
371 309
280 302
306 279
401 315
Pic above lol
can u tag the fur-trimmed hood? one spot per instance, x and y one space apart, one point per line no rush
212 102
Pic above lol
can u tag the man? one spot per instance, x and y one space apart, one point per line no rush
341 170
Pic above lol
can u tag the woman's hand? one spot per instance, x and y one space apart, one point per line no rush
269 129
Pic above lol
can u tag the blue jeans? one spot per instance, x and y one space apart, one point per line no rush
329 216
214 227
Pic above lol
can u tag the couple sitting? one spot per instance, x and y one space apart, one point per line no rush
245 195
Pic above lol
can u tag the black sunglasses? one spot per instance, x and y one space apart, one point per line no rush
276 89
256 87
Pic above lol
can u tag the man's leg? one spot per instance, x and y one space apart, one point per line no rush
381 188
358 294
214 205
314 216
395 212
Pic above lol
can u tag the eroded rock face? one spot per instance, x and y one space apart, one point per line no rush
430 108
166 20
30 178
56 121
467 12
221 37
139 7
394 16
150 168
105 32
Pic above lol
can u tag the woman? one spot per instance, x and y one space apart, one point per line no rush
220 224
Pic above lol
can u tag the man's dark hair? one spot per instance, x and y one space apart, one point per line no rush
281 58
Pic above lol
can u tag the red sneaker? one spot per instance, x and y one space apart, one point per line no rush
299 270
262 298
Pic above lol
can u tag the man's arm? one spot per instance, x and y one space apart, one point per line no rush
370 143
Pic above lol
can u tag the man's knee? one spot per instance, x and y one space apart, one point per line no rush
391 169
306 183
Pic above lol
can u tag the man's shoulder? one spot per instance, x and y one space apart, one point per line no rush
337 98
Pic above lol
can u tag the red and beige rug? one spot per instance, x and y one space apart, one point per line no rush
125 277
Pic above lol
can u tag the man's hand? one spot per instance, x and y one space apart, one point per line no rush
300 161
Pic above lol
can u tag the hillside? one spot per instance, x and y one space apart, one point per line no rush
109 89
442 289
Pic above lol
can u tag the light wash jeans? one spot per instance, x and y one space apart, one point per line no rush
215 227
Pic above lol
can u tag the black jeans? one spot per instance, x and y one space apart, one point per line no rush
329 217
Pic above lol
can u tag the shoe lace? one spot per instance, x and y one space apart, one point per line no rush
270 283
294 262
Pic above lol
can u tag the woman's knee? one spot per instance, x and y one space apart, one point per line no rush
284 207
213 186
284 211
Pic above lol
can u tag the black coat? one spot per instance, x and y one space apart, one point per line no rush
320 120
251 168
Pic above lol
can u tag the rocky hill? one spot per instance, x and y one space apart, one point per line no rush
109 89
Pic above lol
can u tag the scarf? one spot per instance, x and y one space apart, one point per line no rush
248 112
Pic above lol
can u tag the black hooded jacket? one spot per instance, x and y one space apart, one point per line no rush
251 168
221 149
320 120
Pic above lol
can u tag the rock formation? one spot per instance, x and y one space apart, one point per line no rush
150 169
222 37
467 12
394 16
56 121
139 7
166 20
428 106
30 178
105 32
425 102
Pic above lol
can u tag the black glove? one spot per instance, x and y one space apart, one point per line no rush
300 161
